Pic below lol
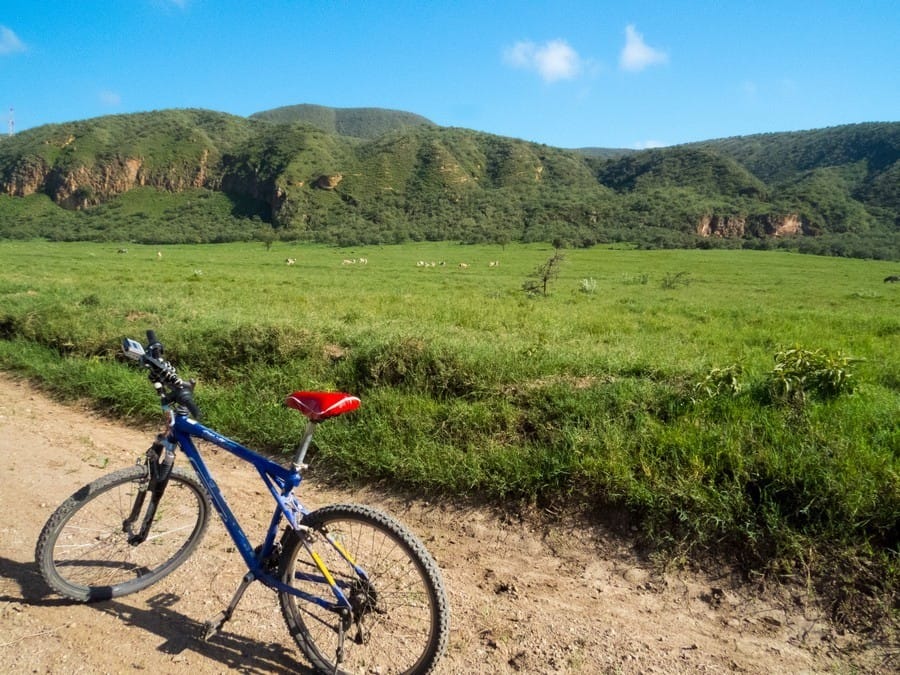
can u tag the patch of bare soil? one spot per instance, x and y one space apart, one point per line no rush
526 597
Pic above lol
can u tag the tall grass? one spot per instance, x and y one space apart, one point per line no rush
666 399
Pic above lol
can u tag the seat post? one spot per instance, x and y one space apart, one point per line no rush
300 454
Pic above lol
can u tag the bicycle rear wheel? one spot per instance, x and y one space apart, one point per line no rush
83 551
401 616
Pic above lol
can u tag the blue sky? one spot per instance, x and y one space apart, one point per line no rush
568 74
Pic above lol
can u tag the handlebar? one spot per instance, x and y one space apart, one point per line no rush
172 390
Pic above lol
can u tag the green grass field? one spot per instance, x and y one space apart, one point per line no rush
645 381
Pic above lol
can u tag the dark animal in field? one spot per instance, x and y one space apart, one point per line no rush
891 279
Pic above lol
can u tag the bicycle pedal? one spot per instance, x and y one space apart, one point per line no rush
213 625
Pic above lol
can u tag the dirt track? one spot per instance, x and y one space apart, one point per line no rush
525 598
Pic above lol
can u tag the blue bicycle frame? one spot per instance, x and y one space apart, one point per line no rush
281 483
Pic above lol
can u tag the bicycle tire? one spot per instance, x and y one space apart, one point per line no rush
83 552
404 608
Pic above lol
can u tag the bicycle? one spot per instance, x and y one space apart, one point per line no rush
358 591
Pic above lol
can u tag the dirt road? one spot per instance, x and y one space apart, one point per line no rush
525 597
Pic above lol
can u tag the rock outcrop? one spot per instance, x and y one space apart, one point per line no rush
27 177
759 225
83 186
780 226
721 226
329 182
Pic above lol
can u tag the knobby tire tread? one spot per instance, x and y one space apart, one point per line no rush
413 551
46 554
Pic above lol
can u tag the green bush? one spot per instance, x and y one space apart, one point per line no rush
721 381
413 364
802 373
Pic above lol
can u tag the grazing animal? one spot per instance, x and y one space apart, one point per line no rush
363 261
893 279
347 261
159 255
122 250
463 266
494 263
290 261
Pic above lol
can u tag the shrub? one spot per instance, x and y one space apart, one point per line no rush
588 286
799 373
674 280
414 365
720 381
635 279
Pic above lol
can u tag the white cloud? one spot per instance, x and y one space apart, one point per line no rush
557 61
637 54
520 55
110 98
10 42
646 145
554 60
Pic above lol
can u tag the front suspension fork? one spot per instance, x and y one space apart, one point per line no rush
159 460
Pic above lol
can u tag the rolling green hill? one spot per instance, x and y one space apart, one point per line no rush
355 122
366 175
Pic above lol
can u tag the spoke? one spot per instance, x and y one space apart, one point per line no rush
169 531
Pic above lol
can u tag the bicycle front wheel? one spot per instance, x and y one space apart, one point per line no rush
83 551
401 619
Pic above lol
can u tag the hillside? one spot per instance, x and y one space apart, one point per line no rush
354 122
365 175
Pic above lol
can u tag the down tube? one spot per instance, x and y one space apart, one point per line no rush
218 501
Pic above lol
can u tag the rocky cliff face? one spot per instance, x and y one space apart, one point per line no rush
26 178
721 226
781 226
756 225
88 186
84 186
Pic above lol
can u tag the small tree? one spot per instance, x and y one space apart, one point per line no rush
266 234
538 280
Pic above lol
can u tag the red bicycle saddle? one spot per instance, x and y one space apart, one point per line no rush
320 405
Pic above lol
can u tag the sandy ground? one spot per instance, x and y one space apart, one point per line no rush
527 596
